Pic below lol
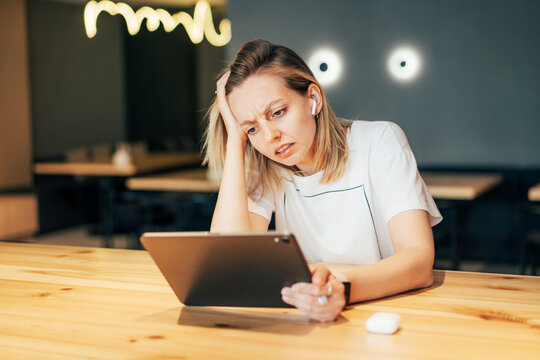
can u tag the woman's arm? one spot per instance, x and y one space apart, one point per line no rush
409 268
231 212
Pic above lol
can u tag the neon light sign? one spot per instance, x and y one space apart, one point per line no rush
197 28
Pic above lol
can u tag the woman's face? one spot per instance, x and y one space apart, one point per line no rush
277 120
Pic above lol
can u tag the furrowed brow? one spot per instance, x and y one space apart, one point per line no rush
270 104
268 107
247 122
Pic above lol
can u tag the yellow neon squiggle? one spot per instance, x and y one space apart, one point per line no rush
197 28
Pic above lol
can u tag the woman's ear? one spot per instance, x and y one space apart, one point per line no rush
314 93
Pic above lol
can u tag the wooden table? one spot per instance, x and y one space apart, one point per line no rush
528 240
185 184
460 186
195 180
143 164
452 190
62 302
441 186
109 171
534 193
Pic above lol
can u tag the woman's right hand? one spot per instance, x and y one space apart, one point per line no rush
234 131
231 213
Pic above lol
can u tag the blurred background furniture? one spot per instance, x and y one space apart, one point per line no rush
191 195
18 201
530 235
534 193
452 191
193 180
18 216
107 172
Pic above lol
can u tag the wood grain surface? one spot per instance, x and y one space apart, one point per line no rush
62 302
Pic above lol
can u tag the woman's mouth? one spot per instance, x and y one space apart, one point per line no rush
284 150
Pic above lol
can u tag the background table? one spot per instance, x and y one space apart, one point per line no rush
194 180
143 164
108 171
185 188
460 186
534 193
452 191
441 186
530 236
452 188
70 302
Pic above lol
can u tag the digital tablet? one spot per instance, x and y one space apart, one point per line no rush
243 269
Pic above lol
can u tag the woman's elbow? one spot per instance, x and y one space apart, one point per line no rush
427 278
425 273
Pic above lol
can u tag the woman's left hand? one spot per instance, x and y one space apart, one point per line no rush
322 299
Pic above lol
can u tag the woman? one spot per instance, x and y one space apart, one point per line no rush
349 190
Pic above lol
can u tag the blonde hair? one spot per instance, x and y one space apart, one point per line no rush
331 150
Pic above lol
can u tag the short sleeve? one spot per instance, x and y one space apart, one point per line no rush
398 183
261 205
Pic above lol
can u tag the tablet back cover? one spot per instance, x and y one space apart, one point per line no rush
247 269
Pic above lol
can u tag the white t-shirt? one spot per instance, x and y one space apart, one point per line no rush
345 221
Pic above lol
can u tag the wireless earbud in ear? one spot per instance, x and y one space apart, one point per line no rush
314 108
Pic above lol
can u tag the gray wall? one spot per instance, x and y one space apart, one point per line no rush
88 91
77 84
477 101
210 61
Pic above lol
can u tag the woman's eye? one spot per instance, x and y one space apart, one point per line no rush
279 113
251 131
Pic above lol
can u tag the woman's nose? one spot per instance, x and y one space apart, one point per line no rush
271 133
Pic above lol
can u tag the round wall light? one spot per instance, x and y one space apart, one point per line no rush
326 65
404 63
